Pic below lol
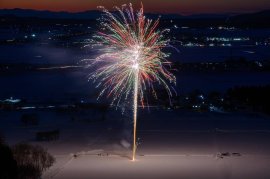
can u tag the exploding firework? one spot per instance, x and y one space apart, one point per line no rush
131 59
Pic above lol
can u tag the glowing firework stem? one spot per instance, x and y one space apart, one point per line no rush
135 103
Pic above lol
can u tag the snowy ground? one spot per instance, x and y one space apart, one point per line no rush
173 144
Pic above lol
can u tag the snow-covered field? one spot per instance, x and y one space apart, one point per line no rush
173 144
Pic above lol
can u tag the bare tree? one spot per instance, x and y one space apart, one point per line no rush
32 160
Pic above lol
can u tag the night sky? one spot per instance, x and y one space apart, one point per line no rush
162 6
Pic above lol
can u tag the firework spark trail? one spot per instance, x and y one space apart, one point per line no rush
131 59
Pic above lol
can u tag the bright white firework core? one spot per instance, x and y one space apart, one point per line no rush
136 57
136 66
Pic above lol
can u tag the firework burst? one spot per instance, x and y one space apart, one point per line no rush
131 59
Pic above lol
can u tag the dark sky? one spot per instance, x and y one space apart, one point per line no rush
162 6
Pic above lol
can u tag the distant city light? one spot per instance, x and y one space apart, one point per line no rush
11 100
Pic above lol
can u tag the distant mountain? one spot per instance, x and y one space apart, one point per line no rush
49 14
165 16
193 16
94 14
261 19
210 16
258 19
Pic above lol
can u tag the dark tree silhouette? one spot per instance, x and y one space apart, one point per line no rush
31 160
8 166
255 97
